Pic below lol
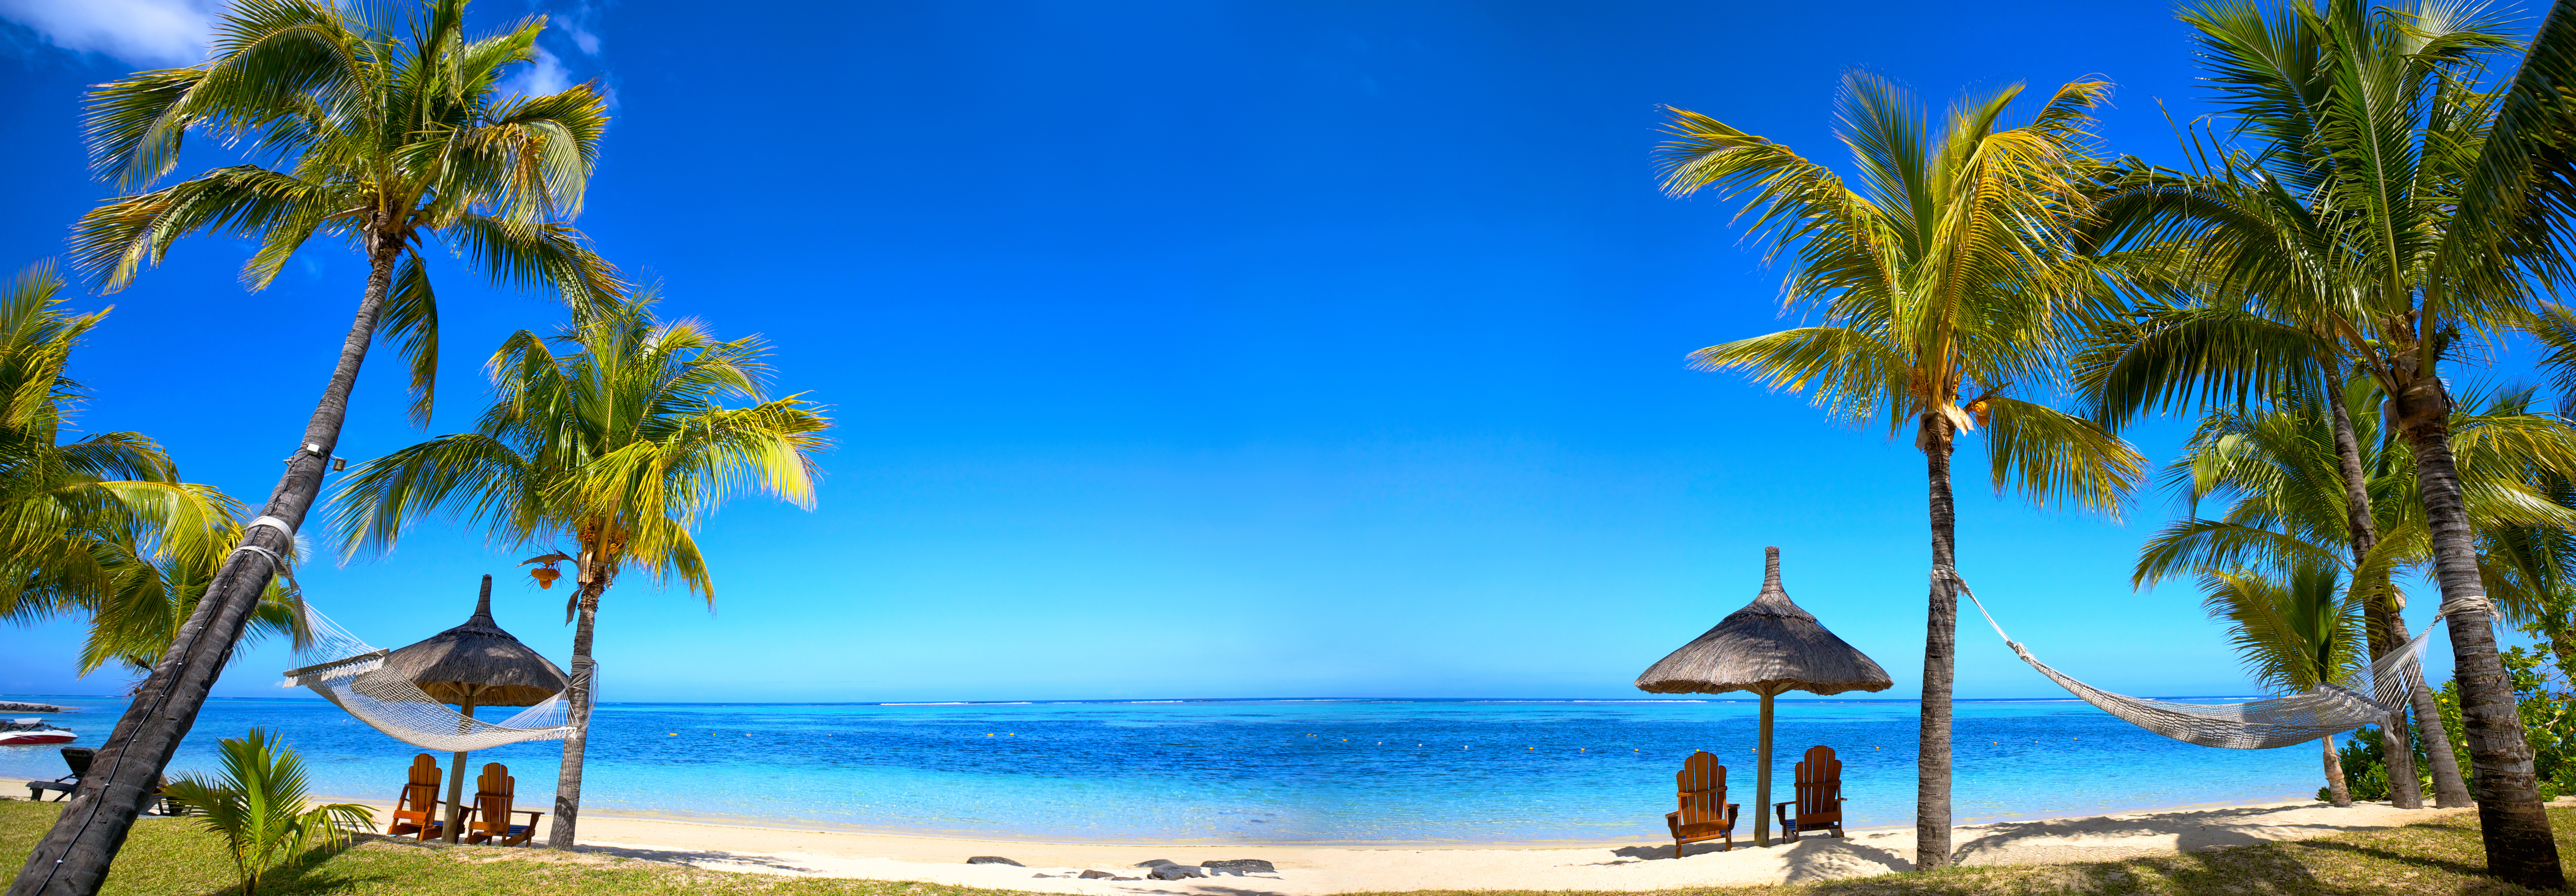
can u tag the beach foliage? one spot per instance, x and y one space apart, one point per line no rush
2364 756
102 526
622 443
258 805
2548 717
2393 186
382 126
1939 281
2293 632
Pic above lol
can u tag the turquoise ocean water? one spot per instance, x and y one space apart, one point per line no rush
1316 771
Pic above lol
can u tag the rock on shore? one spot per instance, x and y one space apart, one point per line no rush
11 706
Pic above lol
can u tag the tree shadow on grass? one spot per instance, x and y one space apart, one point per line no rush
2415 858
2219 871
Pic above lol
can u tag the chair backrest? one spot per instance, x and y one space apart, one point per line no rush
1820 782
77 759
420 791
424 770
1701 785
492 792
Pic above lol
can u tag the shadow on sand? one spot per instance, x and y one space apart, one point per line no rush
1808 860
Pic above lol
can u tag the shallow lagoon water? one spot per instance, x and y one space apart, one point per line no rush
1312 771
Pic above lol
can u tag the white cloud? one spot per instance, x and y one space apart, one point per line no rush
544 76
139 32
575 23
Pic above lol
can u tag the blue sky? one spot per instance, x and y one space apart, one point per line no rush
1177 350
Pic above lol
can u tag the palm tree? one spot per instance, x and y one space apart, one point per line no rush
379 129
2229 243
2294 632
99 527
133 625
2278 468
1943 282
2428 204
259 807
2534 568
623 445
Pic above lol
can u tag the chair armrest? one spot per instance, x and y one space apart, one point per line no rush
1785 803
532 814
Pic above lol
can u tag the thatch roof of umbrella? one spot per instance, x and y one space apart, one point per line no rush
1768 647
478 663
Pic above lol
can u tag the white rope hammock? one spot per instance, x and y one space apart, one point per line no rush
347 671
2362 698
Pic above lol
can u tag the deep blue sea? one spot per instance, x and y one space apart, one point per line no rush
1315 771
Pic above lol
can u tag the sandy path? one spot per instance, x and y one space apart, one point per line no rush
1316 870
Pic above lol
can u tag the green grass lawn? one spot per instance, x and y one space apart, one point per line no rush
171 857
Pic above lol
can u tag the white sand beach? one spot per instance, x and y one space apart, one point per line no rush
1306 870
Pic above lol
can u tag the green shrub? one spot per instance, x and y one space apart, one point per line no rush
2548 723
258 807
2364 758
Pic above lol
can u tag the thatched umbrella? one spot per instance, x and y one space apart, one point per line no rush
471 665
1768 647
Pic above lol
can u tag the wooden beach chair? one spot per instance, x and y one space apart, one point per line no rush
1705 814
417 810
1820 796
492 812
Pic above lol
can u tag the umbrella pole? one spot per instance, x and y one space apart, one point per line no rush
1762 779
456 784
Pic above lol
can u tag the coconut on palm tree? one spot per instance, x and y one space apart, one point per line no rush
381 127
617 447
1942 281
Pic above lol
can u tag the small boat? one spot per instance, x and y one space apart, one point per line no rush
29 732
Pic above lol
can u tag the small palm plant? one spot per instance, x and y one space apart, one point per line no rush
258 807
2294 632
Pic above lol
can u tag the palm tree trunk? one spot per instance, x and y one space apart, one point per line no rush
1940 660
2450 788
72 858
2380 616
2516 831
2336 789
577 715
